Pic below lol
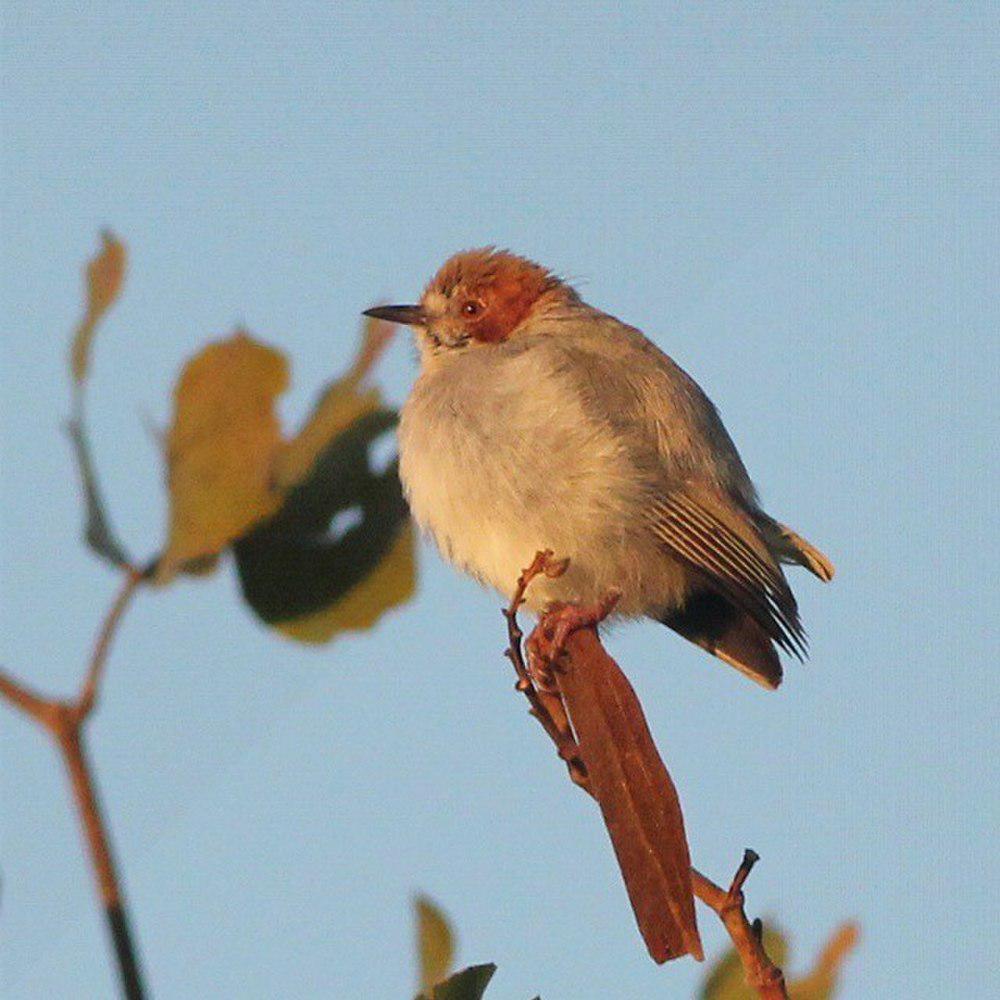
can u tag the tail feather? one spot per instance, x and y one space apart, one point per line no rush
791 547
711 621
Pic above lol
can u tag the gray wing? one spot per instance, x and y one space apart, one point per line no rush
702 505
626 380
723 545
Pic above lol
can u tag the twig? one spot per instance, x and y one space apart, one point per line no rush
92 681
761 973
546 706
64 720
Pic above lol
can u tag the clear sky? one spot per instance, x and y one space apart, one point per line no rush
800 206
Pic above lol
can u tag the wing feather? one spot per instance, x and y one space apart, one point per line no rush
726 548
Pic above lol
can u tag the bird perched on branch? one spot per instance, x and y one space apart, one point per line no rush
540 422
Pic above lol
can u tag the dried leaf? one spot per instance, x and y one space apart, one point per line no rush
105 274
221 449
469 984
637 797
435 943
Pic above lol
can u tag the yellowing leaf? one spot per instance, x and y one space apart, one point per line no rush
435 943
298 571
339 407
104 276
221 449
342 403
391 583
821 983
726 980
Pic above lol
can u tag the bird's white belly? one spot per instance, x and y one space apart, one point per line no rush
454 495
496 474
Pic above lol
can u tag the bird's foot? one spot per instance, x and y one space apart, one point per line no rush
560 621
540 662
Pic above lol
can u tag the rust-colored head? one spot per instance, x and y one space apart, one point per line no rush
479 297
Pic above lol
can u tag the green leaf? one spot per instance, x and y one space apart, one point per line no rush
299 571
312 584
469 984
97 530
726 980
435 943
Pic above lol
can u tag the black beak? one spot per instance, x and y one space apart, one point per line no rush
407 315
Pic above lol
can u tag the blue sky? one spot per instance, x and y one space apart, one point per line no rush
799 205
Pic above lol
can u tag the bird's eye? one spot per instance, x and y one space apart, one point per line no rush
471 308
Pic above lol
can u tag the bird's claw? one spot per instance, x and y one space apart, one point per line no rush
559 622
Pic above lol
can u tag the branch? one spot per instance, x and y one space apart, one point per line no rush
545 707
761 973
638 770
22 697
64 720
599 729
95 672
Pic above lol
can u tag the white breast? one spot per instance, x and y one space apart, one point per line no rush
499 460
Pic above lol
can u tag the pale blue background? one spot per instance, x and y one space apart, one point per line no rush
800 206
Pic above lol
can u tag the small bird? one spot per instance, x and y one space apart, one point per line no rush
539 422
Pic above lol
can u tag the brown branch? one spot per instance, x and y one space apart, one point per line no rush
22 697
92 681
761 973
64 720
546 706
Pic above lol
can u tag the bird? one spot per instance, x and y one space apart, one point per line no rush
538 421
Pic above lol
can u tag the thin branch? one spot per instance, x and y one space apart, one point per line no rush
761 973
22 697
64 720
95 672
546 705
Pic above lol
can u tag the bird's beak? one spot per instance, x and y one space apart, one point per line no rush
407 315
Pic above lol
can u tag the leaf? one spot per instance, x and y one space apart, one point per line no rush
105 275
340 405
221 449
435 943
300 576
391 583
469 984
311 583
637 797
726 979
97 531
821 983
